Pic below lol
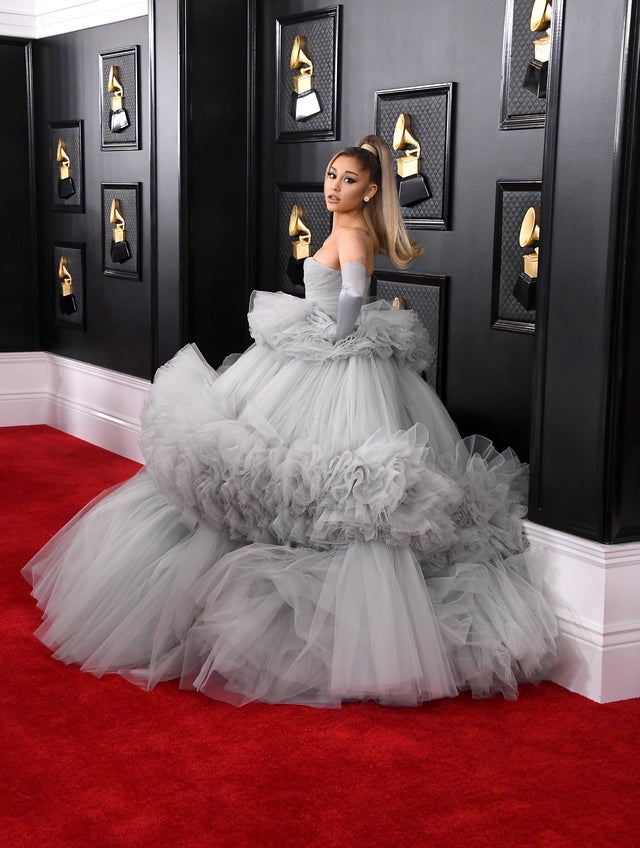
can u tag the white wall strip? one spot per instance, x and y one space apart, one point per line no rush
95 404
596 592
42 18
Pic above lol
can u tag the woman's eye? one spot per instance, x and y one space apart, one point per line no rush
349 180
331 176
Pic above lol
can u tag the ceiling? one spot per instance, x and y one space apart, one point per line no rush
41 18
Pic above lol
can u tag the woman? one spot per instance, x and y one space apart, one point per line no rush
309 527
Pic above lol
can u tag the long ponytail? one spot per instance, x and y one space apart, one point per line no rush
382 214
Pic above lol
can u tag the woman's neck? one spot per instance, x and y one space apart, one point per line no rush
348 219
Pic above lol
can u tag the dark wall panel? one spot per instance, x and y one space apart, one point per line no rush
568 482
215 173
166 221
626 478
413 43
118 311
622 483
19 314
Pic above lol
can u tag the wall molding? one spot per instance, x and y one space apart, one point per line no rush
43 18
595 590
92 403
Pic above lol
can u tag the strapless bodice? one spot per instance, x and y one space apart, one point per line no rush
322 285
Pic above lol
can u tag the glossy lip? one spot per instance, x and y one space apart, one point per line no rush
332 198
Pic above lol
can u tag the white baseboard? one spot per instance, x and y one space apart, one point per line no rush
95 404
42 18
596 591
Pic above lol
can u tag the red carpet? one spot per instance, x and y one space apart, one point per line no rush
99 763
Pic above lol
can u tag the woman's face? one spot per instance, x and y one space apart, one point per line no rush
346 184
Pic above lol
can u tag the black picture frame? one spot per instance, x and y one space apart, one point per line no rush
75 253
317 217
127 60
519 107
321 28
129 195
431 110
426 295
513 198
73 134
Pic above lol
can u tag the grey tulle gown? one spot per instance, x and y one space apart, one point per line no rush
309 528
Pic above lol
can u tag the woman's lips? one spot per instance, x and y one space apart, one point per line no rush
331 198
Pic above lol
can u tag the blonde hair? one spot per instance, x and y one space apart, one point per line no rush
382 213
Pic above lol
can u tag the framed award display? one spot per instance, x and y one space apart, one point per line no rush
307 73
118 71
68 284
532 31
417 124
66 165
121 230
515 255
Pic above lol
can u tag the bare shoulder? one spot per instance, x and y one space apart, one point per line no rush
346 236
354 245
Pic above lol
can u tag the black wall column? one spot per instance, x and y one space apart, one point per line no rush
586 448
203 138
167 220
19 313
217 155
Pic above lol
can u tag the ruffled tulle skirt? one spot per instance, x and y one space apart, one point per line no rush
309 528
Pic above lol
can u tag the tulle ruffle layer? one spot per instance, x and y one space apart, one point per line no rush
362 623
297 328
221 461
278 623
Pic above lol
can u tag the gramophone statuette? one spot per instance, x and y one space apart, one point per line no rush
305 102
66 188
118 118
524 290
300 246
535 79
120 249
412 186
67 301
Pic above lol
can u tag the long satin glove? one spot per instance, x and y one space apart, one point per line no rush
354 286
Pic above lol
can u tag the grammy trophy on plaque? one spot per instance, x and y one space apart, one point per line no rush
535 79
524 290
118 117
67 301
66 187
120 249
300 247
305 102
412 186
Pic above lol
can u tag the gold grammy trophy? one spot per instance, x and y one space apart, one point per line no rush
67 300
300 247
524 290
120 249
66 187
535 79
118 119
412 186
305 102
